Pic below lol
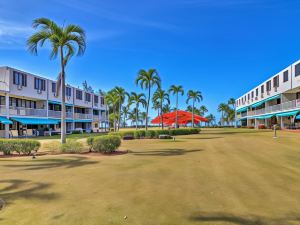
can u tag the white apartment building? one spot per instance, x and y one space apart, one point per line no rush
275 101
28 104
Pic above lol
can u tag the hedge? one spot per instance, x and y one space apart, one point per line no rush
105 144
19 146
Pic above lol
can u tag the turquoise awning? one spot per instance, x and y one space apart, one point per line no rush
35 121
242 110
264 116
59 103
265 100
4 120
291 113
83 121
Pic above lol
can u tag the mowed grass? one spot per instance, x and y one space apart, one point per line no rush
221 176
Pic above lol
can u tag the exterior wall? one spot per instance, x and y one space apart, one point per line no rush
8 89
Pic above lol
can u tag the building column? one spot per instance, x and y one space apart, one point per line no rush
7 115
281 122
73 118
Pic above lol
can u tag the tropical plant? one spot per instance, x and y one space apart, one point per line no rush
223 108
211 118
65 41
121 94
112 101
161 96
194 96
202 110
87 88
176 90
137 99
166 108
125 112
147 80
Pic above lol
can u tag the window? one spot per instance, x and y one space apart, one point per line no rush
252 94
68 91
262 89
269 85
102 100
87 97
276 81
53 87
297 70
256 92
96 99
2 100
19 79
78 94
298 95
17 102
285 76
248 96
39 84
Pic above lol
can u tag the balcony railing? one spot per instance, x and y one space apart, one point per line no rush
3 110
96 117
275 108
83 116
57 114
20 111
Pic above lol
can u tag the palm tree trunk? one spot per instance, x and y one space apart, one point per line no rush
119 119
193 114
115 127
162 118
176 122
136 117
63 99
147 108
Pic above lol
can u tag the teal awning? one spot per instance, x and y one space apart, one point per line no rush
4 120
35 121
298 117
242 110
59 103
291 113
264 116
67 120
83 121
265 100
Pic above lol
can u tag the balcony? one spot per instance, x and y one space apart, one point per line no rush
83 116
20 111
96 117
3 110
57 114
295 104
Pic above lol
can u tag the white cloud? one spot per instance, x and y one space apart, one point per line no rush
13 35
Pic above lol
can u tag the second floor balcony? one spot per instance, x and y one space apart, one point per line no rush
21 111
83 116
57 114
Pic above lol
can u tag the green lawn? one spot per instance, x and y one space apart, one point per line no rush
222 176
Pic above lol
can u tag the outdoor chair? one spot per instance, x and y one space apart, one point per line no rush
14 133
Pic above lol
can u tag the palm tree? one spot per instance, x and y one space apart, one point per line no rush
143 117
120 93
125 112
65 41
112 101
195 96
161 96
211 118
231 102
176 90
137 99
147 80
222 108
166 108
202 110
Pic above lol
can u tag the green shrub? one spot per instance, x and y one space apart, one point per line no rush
150 134
139 134
125 133
159 132
76 132
19 146
72 146
106 144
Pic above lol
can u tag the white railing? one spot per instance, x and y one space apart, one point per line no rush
275 108
83 116
57 114
20 111
96 117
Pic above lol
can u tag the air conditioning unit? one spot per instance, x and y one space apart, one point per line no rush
39 91
68 97
262 96
54 94
256 98
275 88
20 87
268 93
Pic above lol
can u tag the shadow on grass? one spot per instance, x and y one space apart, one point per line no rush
202 138
68 162
165 152
245 220
15 189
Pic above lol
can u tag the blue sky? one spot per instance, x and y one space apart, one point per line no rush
222 48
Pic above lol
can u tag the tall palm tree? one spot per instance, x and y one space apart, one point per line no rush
147 80
143 117
161 96
176 90
166 108
65 41
112 101
195 96
231 102
125 112
121 94
222 108
137 99
211 118
203 110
